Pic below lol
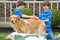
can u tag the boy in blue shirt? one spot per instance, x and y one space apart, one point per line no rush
20 7
46 16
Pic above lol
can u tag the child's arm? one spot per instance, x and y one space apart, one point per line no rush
49 17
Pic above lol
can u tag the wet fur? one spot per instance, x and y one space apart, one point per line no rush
28 26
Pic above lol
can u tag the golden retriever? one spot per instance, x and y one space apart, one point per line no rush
27 26
20 25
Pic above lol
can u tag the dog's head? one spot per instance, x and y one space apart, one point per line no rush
14 18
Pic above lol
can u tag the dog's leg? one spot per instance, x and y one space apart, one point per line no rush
41 29
9 37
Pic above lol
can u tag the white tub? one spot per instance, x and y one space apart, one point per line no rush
22 36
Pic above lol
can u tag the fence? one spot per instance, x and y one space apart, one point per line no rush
7 7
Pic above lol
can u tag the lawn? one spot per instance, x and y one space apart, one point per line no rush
3 35
56 33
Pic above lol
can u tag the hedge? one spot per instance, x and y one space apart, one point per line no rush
27 11
55 18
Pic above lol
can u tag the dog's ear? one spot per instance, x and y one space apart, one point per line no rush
18 18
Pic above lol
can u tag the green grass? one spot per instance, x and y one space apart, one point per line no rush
4 35
56 33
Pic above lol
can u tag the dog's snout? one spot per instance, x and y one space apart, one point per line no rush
12 21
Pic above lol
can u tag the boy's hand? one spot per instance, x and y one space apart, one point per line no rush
46 20
34 18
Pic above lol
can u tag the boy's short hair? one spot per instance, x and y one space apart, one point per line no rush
45 3
20 3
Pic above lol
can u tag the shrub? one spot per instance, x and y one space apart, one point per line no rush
55 18
27 11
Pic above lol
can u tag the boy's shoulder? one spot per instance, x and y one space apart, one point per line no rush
49 12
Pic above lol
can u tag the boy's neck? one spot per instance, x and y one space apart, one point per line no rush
46 10
19 8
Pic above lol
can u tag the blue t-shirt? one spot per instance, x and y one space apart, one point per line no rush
46 15
18 12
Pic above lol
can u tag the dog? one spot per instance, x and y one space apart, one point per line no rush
28 26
